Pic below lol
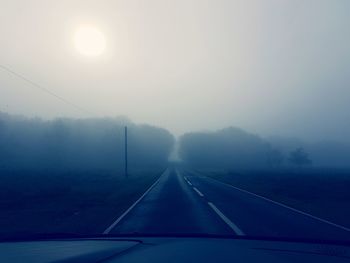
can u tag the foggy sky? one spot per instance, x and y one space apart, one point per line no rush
275 67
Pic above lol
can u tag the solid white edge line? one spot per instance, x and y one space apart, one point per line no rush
108 229
285 206
198 192
233 226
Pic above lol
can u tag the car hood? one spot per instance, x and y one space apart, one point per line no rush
171 250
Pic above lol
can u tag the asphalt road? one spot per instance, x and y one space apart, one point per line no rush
183 202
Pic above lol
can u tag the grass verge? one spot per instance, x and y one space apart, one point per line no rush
68 202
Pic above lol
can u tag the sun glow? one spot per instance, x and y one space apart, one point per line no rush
89 41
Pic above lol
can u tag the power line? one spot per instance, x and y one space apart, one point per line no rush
38 86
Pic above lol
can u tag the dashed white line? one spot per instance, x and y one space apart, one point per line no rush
232 225
198 192
187 181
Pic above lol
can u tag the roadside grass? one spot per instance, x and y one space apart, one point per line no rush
68 202
321 192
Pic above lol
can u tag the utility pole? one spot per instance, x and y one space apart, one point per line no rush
126 150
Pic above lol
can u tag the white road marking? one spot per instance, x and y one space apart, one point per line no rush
286 206
198 192
232 225
187 181
132 206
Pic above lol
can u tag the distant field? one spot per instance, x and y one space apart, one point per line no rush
51 202
321 192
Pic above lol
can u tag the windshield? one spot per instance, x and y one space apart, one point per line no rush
169 118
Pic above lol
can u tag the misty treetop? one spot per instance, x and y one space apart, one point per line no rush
234 148
82 144
299 157
98 144
328 153
227 148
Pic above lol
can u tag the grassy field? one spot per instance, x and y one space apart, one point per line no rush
56 202
321 192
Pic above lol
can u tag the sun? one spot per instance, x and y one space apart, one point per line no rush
89 41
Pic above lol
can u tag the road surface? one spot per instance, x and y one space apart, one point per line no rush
184 202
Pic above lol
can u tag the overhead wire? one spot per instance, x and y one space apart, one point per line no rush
47 91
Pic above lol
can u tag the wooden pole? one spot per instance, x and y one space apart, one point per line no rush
126 150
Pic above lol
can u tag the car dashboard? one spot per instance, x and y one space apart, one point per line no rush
170 249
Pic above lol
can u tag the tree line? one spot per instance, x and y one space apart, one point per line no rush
98 144
234 148
80 144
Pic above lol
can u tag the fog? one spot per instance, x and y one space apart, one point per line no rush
98 144
80 145
273 68
227 148
236 149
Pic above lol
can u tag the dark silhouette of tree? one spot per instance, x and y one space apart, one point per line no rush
230 148
299 157
80 144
